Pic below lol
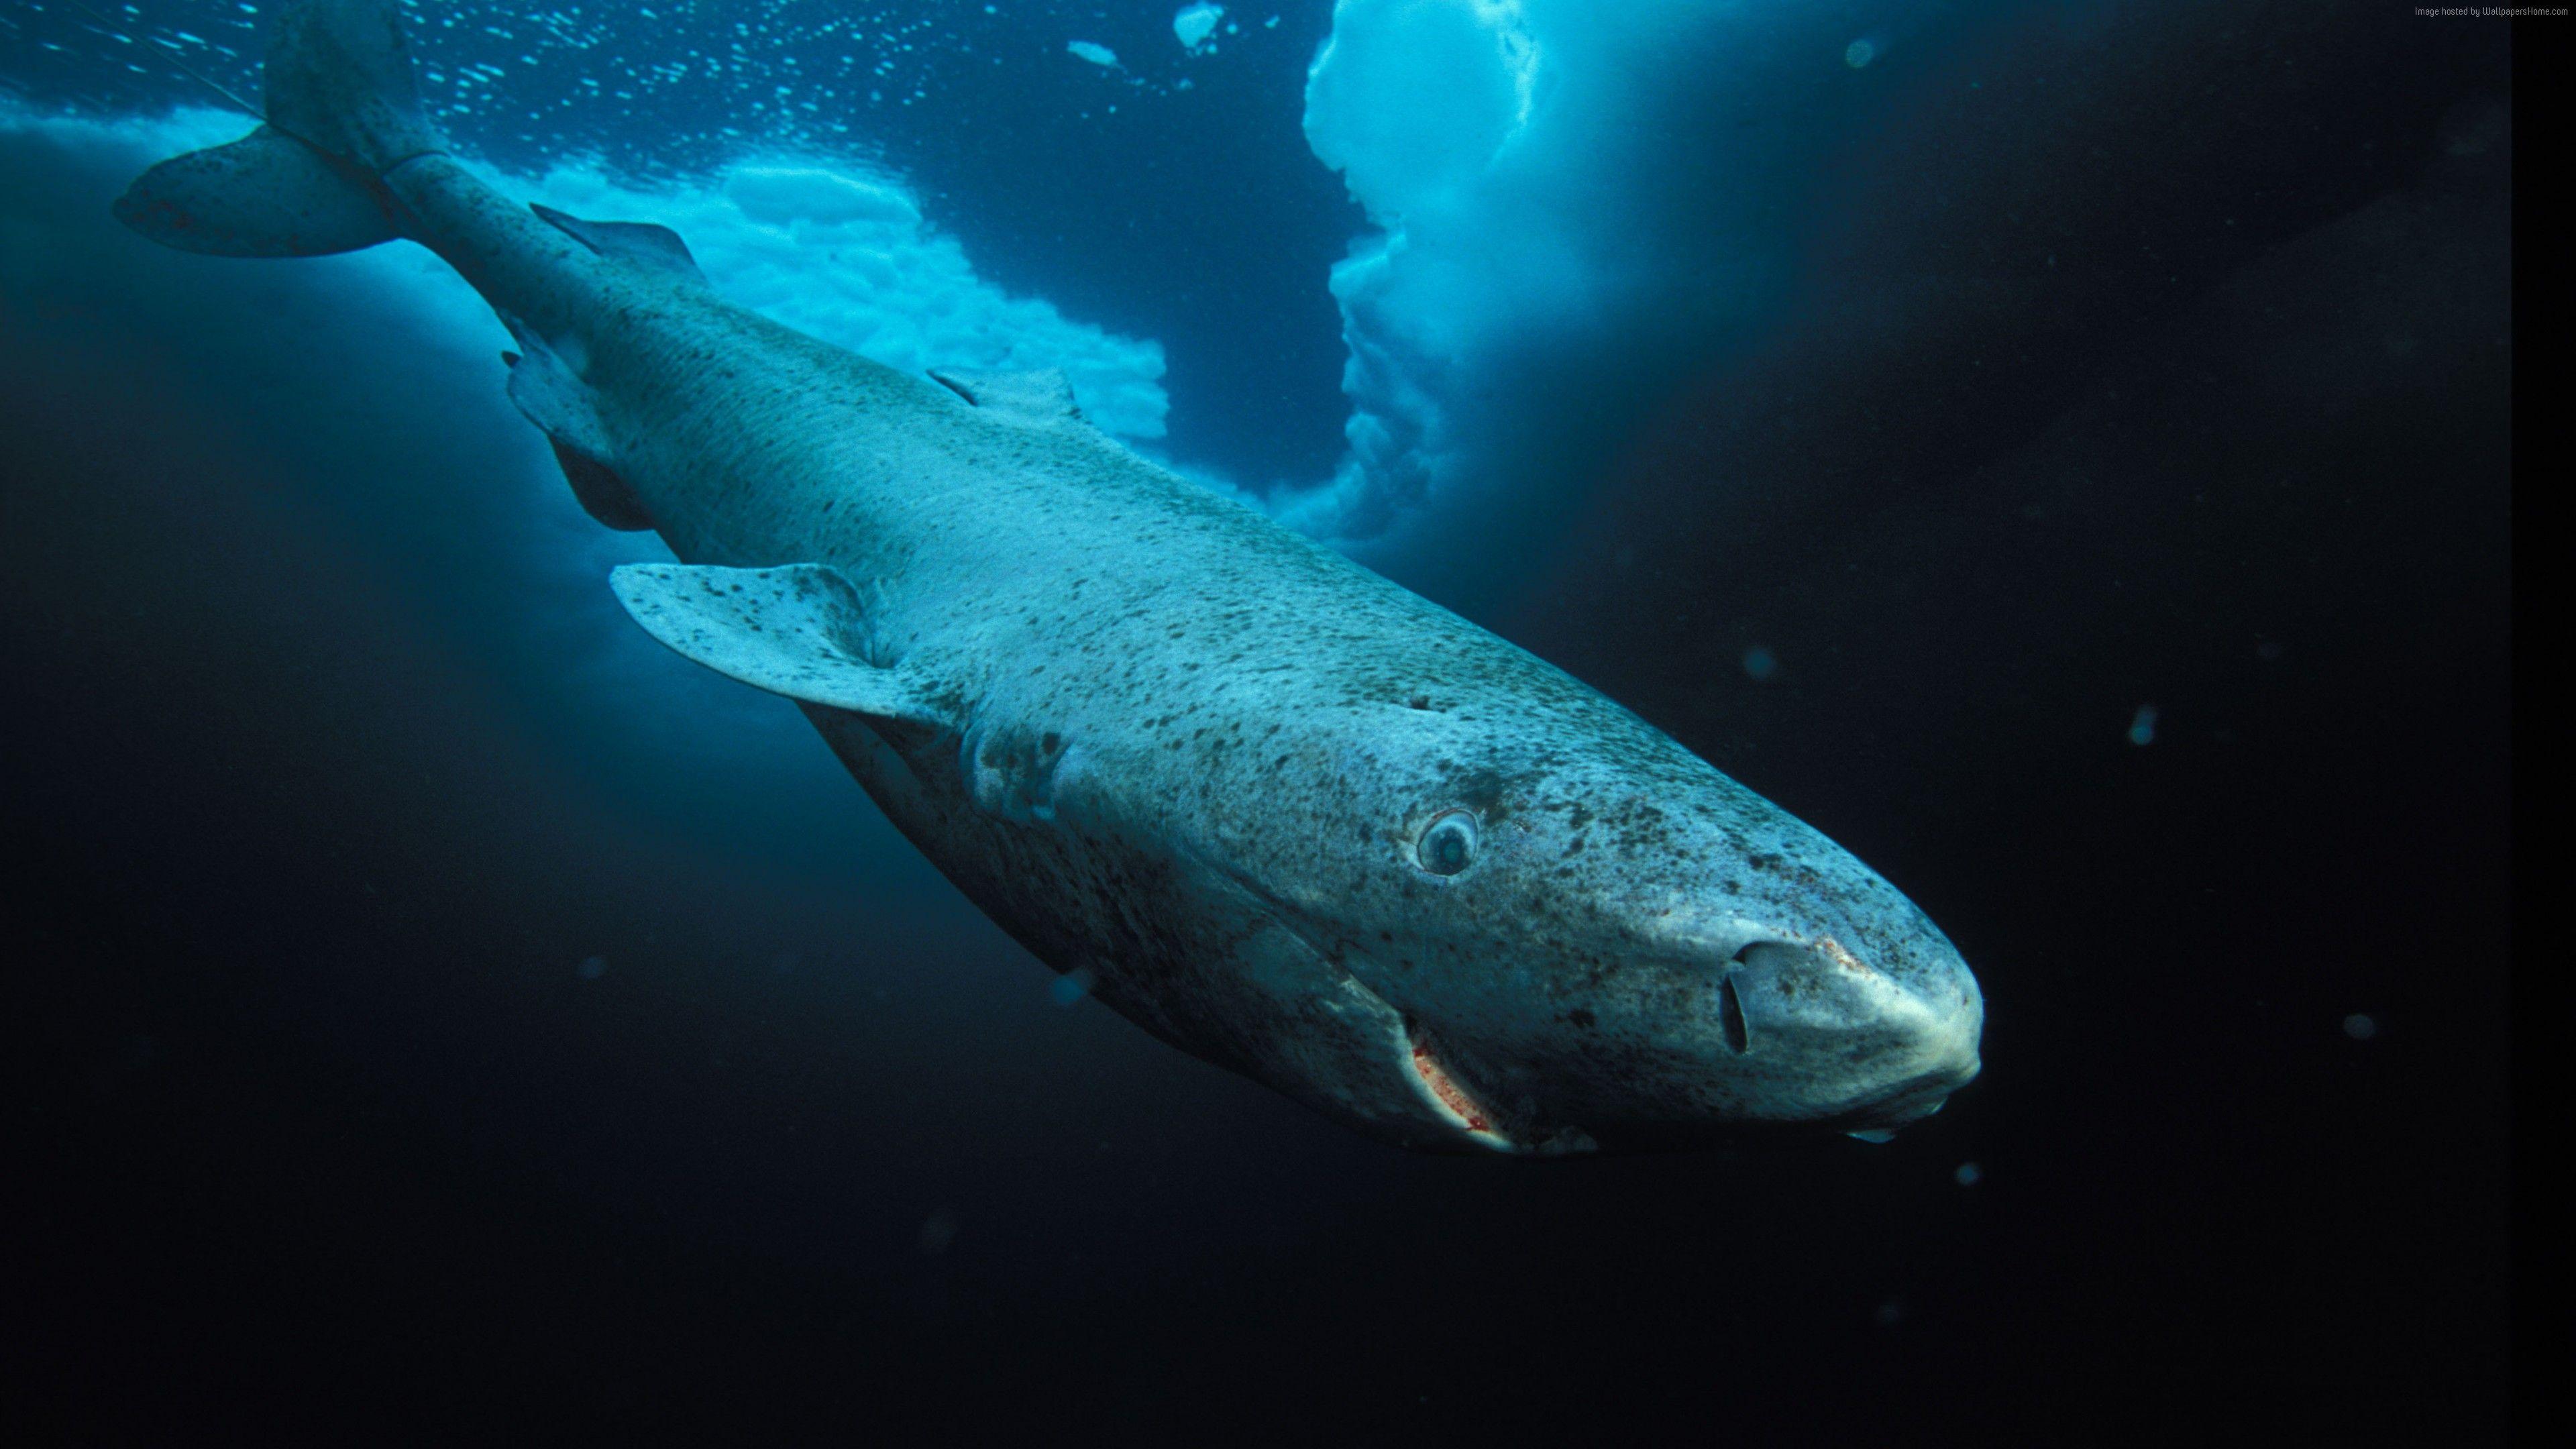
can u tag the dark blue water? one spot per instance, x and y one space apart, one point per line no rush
2063 450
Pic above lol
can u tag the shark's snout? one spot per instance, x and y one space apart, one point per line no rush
1849 1041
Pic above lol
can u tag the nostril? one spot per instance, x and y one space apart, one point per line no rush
1730 1014
1758 969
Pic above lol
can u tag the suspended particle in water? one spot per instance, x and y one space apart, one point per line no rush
1860 52
2360 1027
591 968
938 1231
1072 986
1968 1175
1193 24
2142 725
1760 663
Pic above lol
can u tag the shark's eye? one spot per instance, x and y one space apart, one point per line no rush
1449 845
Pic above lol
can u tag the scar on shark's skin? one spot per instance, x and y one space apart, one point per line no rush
1279 812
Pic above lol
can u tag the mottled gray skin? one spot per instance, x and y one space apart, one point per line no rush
1166 742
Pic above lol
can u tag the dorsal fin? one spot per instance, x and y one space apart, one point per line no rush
1041 396
657 247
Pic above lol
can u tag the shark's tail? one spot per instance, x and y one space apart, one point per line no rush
342 110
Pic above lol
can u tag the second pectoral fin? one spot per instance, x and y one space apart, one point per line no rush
803 631
548 392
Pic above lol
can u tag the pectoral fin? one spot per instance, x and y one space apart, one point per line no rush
802 631
550 393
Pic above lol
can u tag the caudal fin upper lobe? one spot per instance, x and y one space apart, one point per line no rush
342 109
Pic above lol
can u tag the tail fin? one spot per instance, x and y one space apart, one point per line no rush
342 109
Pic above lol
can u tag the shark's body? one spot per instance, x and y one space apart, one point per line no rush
1279 811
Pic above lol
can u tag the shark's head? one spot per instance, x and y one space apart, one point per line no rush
1585 936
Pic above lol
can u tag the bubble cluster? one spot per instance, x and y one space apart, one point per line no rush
662 87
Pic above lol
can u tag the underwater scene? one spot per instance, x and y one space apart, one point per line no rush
1331 721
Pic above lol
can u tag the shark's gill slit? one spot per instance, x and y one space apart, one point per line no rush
1730 1014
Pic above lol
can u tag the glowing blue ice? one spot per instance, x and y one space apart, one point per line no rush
778 195
1195 23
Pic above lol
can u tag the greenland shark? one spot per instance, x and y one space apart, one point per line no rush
1264 803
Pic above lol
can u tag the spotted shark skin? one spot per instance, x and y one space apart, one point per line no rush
1162 740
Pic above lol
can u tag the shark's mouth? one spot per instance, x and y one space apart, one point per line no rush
1437 1087
1454 1101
